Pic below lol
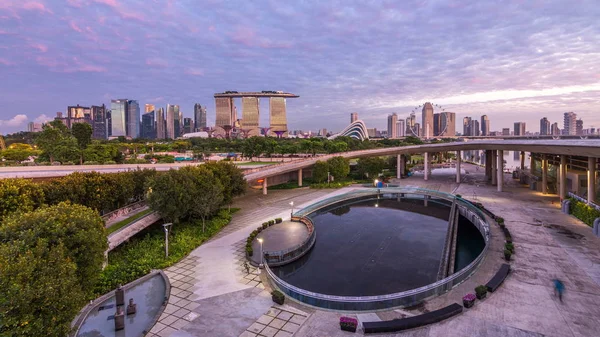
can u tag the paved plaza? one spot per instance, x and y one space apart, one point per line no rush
214 295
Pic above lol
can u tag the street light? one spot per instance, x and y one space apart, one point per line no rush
166 228
292 213
376 181
260 264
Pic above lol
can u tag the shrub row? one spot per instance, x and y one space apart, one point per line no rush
254 234
583 211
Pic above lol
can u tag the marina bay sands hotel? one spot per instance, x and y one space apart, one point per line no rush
227 119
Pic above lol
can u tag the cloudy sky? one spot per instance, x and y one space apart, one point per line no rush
514 60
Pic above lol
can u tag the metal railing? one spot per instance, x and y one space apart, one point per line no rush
405 298
281 257
584 200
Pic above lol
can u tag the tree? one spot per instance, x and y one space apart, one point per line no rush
339 167
319 173
40 293
53 140
168 195
83 134
78 228
206 192
19 195
18 152
370 167
233 180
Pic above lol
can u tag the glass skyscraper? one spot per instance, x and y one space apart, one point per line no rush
133 119
199 117
118 114
148 128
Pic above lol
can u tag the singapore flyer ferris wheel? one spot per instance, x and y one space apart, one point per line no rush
434 122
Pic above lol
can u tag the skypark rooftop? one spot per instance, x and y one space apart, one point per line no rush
256 94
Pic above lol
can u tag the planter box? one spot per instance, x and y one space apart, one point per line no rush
348 328
278 300
480 297
468 304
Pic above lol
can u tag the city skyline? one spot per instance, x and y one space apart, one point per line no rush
536 60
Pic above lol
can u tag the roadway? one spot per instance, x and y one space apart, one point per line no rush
571 147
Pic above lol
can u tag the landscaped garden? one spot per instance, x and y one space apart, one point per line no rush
52 238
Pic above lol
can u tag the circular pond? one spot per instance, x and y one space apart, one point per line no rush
380 244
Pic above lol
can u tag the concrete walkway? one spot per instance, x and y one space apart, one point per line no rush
224 300
117 238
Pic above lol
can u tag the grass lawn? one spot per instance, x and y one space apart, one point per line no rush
126 222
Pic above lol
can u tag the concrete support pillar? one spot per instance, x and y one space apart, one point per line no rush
532 163
399 166
458 160
500 169
562 180
265 186
300 177
488 165
522 160
426 165
494 166
544 174
591 195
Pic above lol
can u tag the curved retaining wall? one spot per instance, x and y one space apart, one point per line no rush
401 299
281 257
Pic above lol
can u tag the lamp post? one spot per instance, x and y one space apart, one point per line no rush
260 264
292 213
166 228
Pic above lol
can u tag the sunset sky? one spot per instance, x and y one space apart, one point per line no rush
512 60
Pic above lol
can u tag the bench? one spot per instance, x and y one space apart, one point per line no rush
413 322
497 280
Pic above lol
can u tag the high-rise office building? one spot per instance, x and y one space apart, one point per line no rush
411 123
427 120
372 132
133 119
444 124
250 115
148 125
99 122
401 127
392 126
278 114
178 122
570 123
506 131
579 127
119 110
78 114
554 129
353 117
161 124
34 127
545 127
108 123
199 117
172 121
519 129
148 108
188 125
474 128
485 125
467 126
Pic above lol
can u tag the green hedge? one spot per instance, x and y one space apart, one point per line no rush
583 212
140 255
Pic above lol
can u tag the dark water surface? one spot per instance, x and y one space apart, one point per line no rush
373 247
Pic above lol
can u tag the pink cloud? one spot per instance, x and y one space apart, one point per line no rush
5 62
75 27
211 28
110 3
41 47
75 3
68 65
195 72
32 5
